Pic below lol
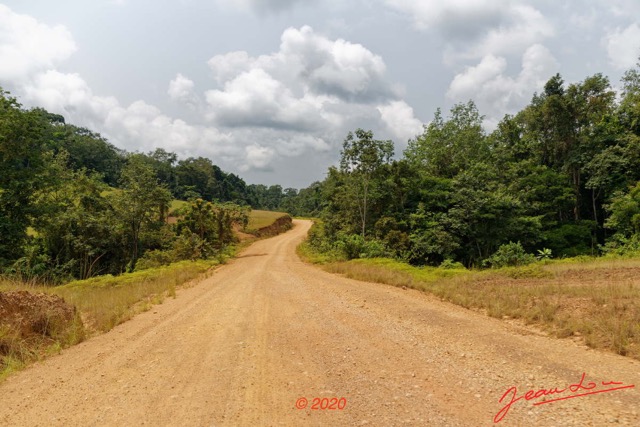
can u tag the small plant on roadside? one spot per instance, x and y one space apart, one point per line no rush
544 254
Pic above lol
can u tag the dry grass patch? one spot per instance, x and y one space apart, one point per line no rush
107 301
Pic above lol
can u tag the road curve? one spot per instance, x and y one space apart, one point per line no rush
243 348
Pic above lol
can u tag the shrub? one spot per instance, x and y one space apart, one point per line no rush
620 245
374 249
509 255
351 245
449 264
354 246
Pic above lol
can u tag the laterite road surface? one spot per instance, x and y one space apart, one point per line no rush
248 345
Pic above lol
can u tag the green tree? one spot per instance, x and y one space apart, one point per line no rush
22 142
141 204
448 147
75 225
362 157
625 212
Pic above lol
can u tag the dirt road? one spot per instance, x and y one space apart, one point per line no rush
243 347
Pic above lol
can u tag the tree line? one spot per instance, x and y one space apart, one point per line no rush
74 206
559 178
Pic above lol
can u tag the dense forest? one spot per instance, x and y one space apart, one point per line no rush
559 178
74 206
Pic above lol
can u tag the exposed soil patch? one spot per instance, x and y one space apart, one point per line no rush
280 225
30 314
30 322
242 236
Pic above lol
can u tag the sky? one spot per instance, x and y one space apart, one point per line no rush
269 89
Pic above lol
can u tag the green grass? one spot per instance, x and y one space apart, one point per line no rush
177 204
259 219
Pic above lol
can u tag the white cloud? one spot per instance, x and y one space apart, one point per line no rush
526 26
69 95
28 46
340 68
400 120
300 87
295 87
258 157
226 67
139 126
623 46
496 93
298 101
180 88
255 98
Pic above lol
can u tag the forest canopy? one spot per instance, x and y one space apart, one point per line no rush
559 178
73 206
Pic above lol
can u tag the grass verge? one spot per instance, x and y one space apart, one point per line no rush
102 303
596 300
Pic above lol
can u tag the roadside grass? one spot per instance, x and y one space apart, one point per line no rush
593 300
107 301
102 302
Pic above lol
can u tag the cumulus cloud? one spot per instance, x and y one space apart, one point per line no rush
476 28
310 62
180 88
399 118
497 93
28 46
227 66
460 18
139 126
297 87
255 98
298 98
623 46
335 67
68 94
258 157
298 101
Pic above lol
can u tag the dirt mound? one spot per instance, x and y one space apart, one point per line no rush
25 315
280 225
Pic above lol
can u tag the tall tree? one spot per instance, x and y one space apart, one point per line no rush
361 158
141 202
22 143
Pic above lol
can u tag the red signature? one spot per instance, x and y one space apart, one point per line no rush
574 389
